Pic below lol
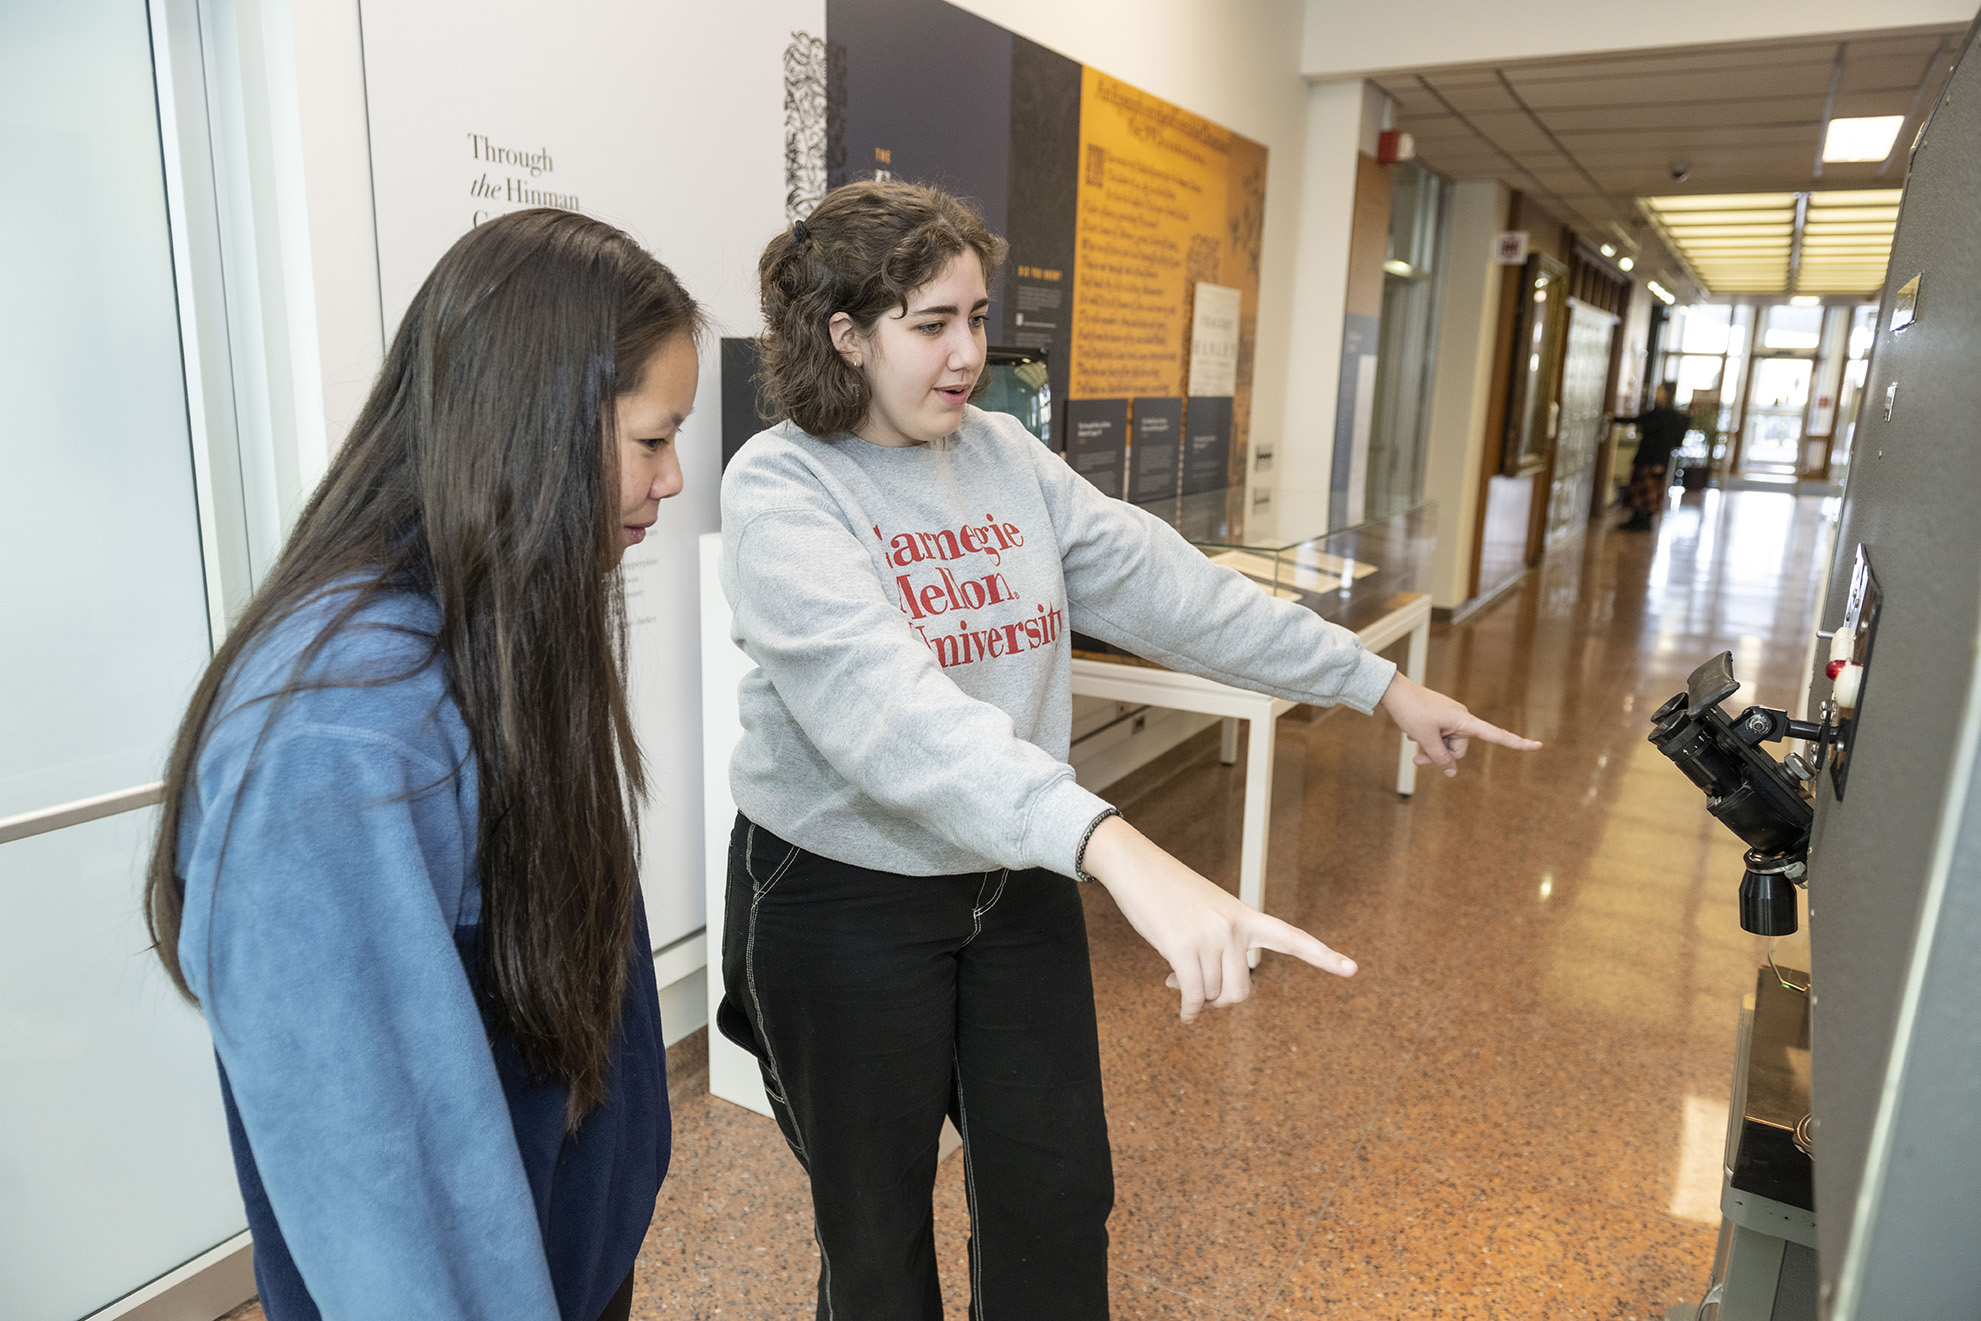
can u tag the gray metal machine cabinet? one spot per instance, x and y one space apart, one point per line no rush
1895 857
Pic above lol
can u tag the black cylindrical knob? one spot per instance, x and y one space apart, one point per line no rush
1767 898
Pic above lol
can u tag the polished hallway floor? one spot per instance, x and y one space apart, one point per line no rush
1516 1109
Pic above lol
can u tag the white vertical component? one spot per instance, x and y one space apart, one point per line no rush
732 1071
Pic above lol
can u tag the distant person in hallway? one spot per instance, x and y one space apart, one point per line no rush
397 865
904 935
1661 430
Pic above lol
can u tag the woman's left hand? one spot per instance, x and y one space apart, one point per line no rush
1440 726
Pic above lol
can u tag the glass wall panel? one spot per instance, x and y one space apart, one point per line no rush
1791 327
1863 333
1400 416
1697 374
1774 415
114 1166
1703 328
101 581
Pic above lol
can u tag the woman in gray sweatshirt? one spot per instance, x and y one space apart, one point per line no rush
904 936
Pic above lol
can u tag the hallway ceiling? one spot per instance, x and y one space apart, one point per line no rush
1590 136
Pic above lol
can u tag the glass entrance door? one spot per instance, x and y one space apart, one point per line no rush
1777 404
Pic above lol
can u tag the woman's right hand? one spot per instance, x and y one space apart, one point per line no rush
1206 933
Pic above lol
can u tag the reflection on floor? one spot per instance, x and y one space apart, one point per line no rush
1516 1109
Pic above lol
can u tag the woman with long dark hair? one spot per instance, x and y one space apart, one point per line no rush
904 937
397 861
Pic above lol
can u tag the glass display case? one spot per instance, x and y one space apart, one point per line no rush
1351 576
1016 382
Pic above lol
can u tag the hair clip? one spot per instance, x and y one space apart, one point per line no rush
799 231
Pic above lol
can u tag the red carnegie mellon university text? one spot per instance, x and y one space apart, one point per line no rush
956 572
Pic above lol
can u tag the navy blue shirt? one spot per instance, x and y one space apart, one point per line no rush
393 1158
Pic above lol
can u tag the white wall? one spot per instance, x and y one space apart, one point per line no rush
1467 326
1351 37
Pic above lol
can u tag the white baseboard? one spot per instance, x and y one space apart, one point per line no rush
210 1285
681 971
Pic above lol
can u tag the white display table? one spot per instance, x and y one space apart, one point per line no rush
1128 681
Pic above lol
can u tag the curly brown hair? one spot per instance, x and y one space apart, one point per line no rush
863 250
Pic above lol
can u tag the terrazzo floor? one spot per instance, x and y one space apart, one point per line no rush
1516 1109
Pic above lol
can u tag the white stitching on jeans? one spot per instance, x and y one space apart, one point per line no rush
750 974
825 1270
977 912
770 1058
970 1195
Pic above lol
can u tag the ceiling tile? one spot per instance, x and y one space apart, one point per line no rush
1884 73
1851 105
1734 58
1474 96
1664 116
1630 87
1918 44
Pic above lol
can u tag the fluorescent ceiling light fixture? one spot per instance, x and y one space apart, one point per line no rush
1867 139
1740 243
1721 201
1395 267
1804 300
1883 215
1857 197
1694 219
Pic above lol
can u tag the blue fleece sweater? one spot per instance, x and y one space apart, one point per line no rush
395 1161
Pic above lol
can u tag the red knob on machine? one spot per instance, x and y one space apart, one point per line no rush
1834 668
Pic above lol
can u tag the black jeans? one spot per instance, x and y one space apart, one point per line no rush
877 1003
620 1307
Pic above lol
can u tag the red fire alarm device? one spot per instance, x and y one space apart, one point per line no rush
1395 145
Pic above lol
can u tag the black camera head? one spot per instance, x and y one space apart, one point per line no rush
1753 795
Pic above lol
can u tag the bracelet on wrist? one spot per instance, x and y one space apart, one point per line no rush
1080 854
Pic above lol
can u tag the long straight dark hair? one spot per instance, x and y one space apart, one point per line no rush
483 471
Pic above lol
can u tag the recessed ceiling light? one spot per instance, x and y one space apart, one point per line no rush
1869 138
1627 263
1609 249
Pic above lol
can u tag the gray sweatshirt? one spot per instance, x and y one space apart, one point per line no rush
909 613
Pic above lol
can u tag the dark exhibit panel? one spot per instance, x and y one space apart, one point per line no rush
1206 443
1155 453
1097 441
1895 862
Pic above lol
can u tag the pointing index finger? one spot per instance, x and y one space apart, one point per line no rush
1477 728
